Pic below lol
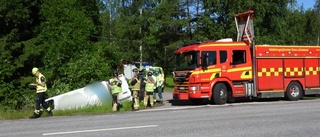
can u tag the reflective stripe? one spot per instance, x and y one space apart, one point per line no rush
160 81
39 87
115 89
289 71
137 85
149 87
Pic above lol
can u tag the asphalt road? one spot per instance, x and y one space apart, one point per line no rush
275 118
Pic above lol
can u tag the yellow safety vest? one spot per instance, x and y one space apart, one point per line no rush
114 88
39 87
160 80
150 86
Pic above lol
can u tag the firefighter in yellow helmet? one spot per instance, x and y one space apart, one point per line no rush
150 86
115 85
135 87
41 89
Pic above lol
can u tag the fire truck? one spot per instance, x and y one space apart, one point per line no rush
224 70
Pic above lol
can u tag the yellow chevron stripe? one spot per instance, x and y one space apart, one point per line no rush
207 71
239 69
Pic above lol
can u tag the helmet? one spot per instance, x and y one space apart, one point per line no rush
34 70
135 70
115 74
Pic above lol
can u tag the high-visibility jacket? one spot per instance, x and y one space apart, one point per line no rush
41 79
135 86
115 86
160 81
150 85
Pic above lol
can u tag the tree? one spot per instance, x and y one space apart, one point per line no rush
17 19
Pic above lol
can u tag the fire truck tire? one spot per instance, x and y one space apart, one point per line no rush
220 94
294 91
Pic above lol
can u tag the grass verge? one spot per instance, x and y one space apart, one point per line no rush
126 106
169 85
104 109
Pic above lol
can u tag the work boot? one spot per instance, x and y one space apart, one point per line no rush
50 113
118 106
114 107
161 101
34 116
40 112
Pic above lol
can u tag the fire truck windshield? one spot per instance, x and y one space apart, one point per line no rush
187 60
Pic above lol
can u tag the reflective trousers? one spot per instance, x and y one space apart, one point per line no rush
115 104
148 97
135 99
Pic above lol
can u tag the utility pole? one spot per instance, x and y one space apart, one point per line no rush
110 16
110 7
140 41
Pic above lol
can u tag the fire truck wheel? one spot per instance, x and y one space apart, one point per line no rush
220 94
294 91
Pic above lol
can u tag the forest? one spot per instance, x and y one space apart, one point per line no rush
78 42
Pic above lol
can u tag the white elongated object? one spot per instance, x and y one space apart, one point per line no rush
128 71
126 93
97 93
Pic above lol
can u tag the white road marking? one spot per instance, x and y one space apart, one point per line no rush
97 130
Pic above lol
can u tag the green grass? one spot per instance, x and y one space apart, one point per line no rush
169 85
126 106
15 114
24 114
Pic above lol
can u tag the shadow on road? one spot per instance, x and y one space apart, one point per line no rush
172 102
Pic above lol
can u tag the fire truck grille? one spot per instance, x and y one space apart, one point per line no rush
182 84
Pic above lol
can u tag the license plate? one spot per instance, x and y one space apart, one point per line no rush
181 88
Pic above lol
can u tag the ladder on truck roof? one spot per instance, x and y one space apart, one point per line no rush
244 24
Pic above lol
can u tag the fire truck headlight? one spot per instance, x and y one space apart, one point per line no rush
194 88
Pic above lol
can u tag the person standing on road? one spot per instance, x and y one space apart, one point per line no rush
115 85
150 82
41 88
159 87
135 87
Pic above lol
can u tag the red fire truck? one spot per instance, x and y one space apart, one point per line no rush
224 70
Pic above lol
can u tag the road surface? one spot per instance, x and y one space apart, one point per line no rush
276 118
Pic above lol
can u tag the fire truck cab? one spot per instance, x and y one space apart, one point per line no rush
224 70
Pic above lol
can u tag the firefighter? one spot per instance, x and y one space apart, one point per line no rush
150 82
159 87
41 89
115 85
135 87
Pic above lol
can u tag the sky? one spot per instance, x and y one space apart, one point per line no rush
306 3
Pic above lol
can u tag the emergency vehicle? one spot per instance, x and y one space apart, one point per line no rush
224 70
152 69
